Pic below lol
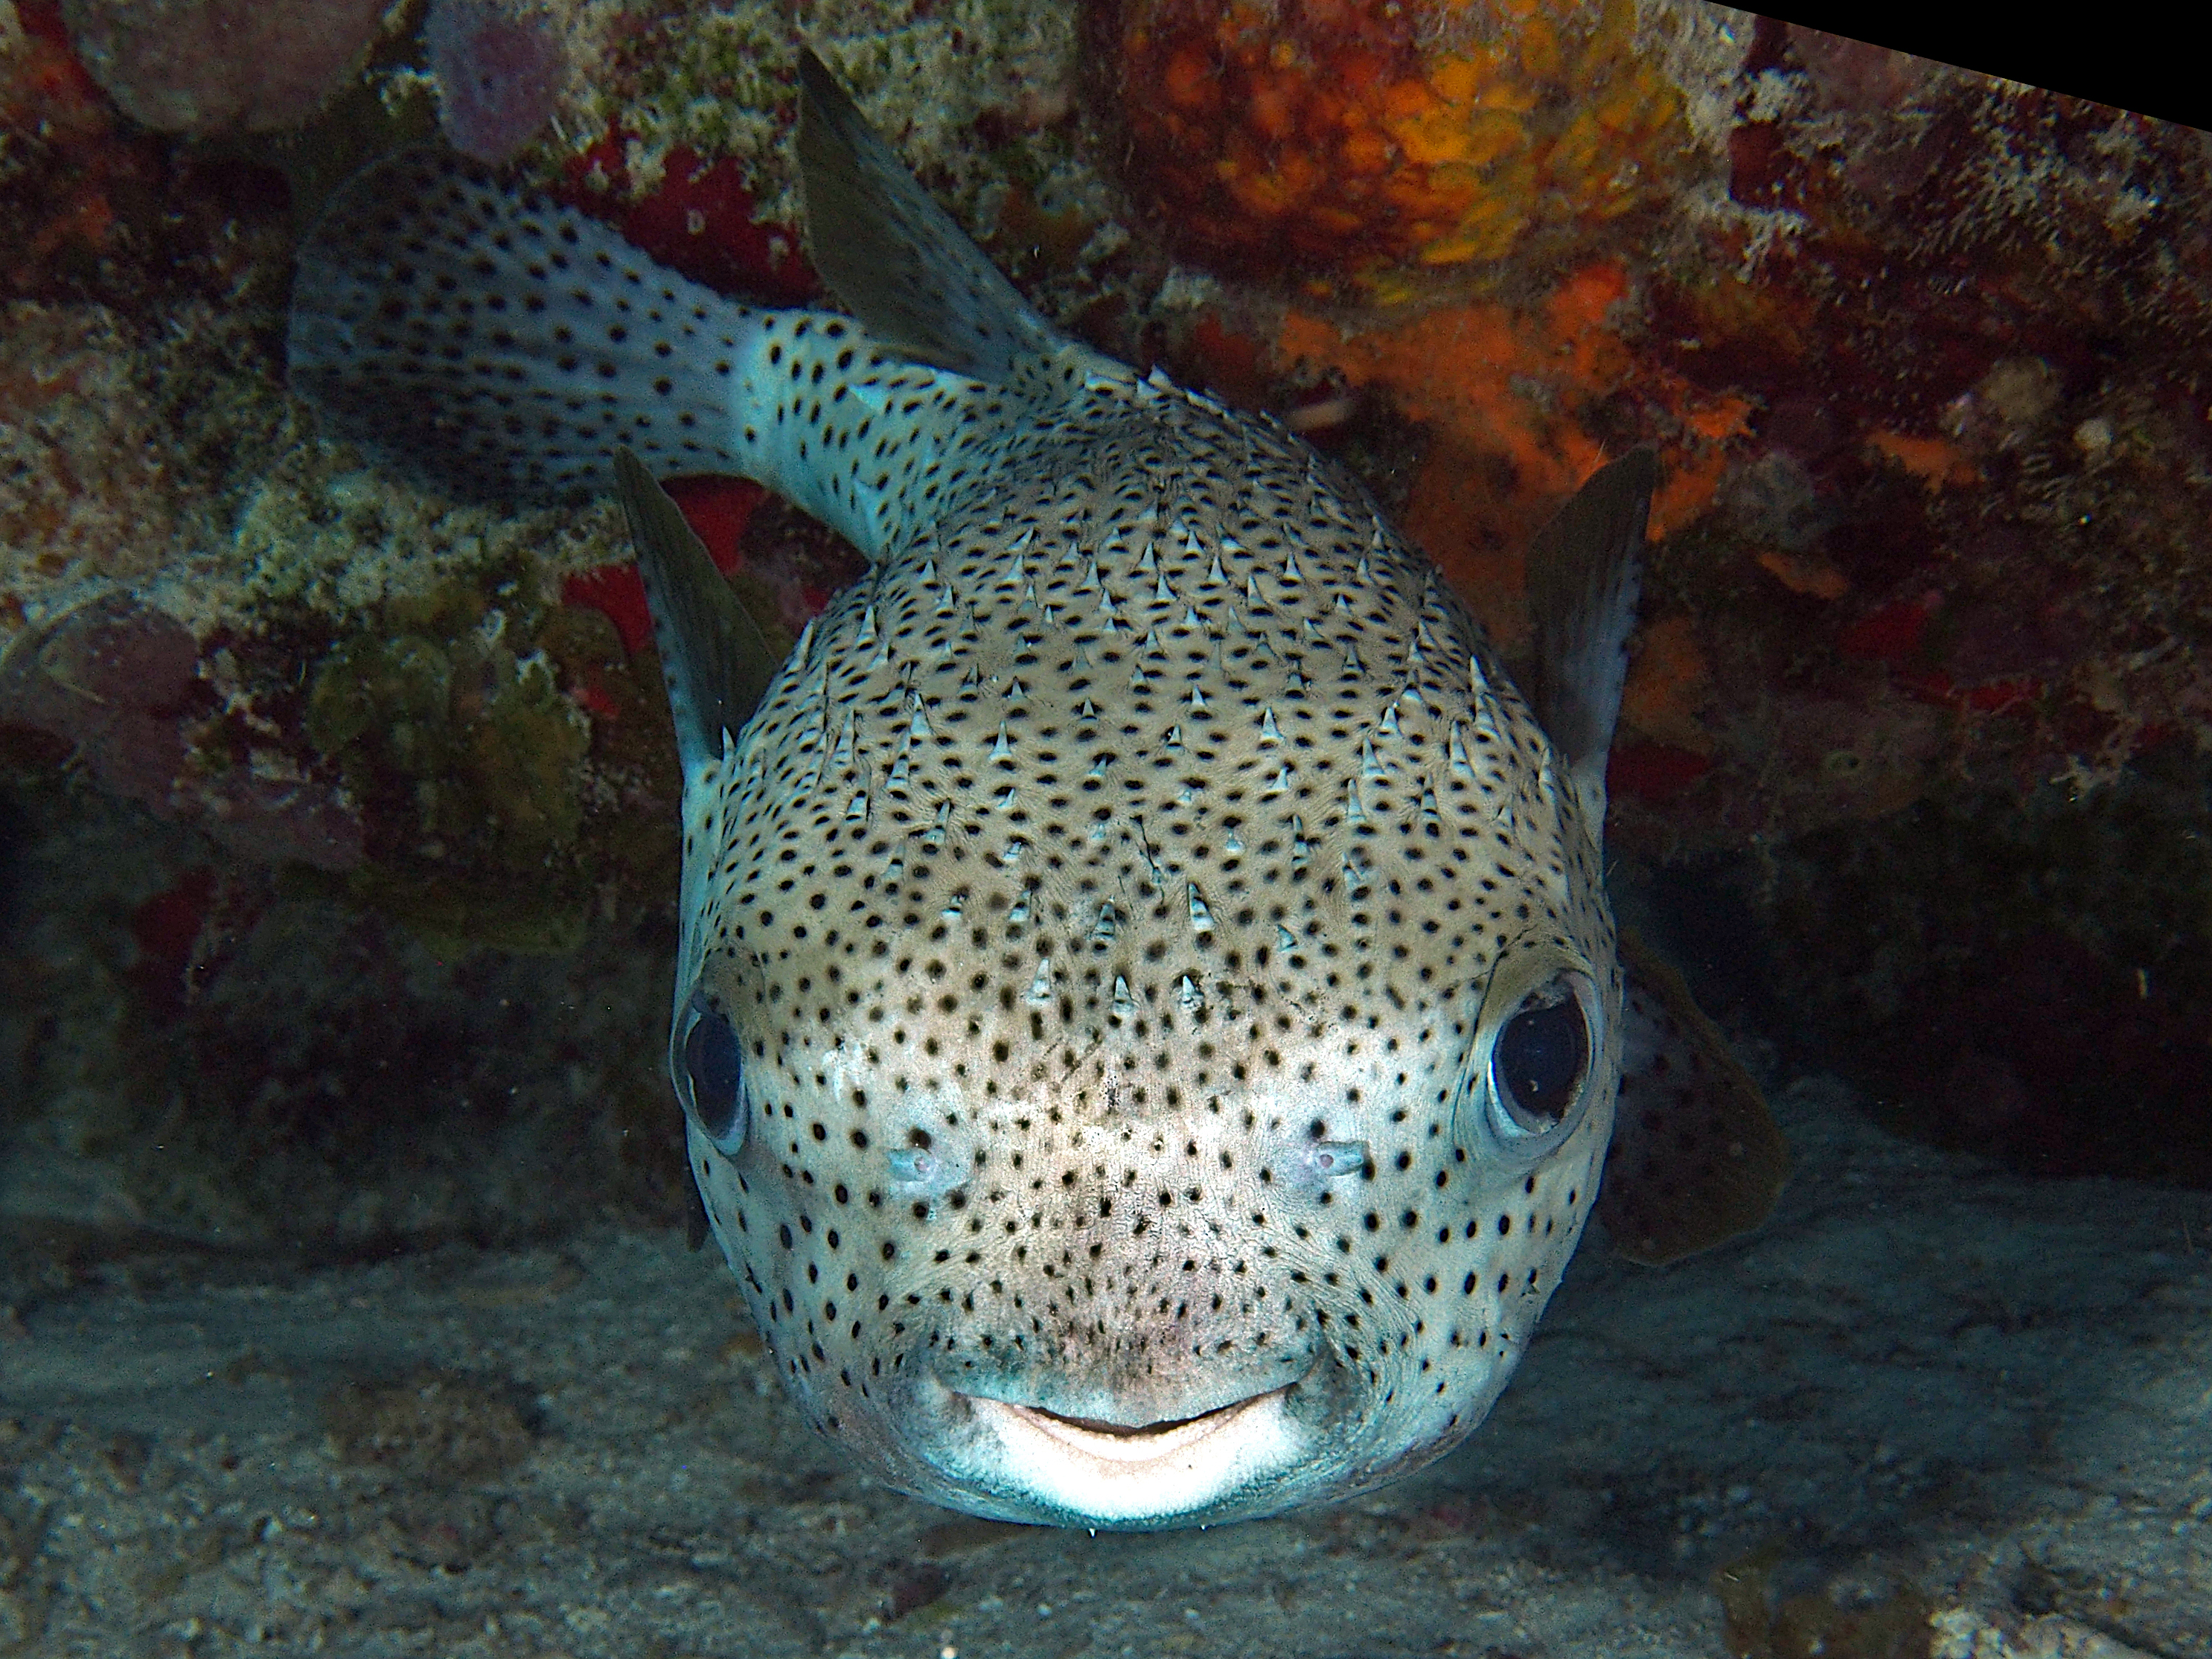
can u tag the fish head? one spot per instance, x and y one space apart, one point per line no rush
1238 1187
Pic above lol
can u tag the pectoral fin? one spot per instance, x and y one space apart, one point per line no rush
1583 579
1696 1156
717 662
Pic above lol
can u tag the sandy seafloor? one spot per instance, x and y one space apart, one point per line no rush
1928 1387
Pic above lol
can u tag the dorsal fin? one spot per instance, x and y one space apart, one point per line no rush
1583 579
716 661
1696 1156
894 259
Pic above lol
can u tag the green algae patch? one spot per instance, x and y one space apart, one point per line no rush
1843 1619
526 755
492 748
456 730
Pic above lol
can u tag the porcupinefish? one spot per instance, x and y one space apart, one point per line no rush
1148 1015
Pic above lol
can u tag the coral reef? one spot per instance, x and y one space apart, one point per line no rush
84 445
458 720
1921 351
978 92
203 1047
1925 356
1941 388
121 687
52 109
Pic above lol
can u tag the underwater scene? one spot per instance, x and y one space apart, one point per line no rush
1341 829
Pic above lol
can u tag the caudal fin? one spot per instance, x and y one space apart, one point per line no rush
500 345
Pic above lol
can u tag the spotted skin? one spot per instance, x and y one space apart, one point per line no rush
502 345
1115 898
1154 819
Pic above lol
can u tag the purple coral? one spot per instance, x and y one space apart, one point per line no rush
498 69
126 686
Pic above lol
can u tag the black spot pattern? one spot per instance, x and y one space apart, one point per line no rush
501 345
1151 817
1104 893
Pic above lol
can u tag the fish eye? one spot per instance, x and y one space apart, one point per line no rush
1536 1057
708 1076
1542 1057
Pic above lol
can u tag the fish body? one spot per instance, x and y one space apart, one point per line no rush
1147 1012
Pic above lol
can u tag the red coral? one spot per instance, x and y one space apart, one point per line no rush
699 220
617 593
718 511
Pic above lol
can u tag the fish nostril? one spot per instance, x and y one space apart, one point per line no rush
1333 1160
910 1165
921 1173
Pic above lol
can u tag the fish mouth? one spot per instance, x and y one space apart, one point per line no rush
1123 1443
1098 1473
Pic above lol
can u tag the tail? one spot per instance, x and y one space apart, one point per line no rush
502 345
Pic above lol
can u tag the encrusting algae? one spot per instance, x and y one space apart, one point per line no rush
1347 138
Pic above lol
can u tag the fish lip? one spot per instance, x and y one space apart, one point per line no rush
1029 1464
1132 1446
